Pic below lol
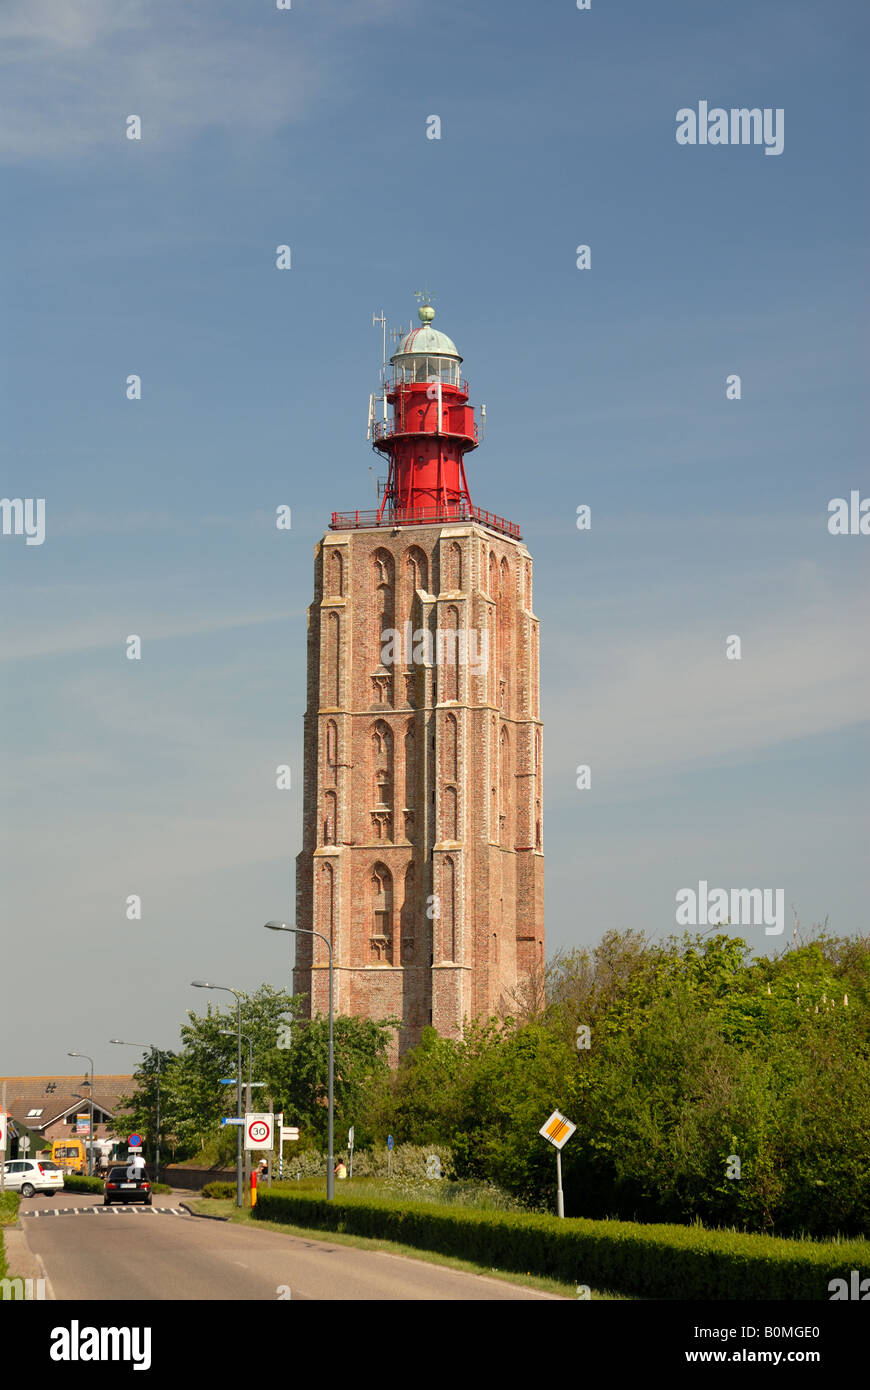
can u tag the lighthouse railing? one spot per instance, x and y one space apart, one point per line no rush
387 429
422 516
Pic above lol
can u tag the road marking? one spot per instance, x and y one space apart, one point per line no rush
112 1210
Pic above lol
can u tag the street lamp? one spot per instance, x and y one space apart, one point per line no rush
91 1135
228 1033
120 1042
203 984
306 931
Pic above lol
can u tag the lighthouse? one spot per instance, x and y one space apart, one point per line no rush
422 854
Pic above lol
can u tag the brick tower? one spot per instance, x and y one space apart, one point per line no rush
422 830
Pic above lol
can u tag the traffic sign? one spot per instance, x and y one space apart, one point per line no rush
3 1120
232 1120
389 1141
558 1130
259 1129
288 1133
24 1143
350 1137
134 1141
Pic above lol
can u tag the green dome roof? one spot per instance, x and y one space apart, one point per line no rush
427 339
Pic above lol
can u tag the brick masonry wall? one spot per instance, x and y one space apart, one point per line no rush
422 856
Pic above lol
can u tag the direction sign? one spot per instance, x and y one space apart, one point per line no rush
288 1133
558 1130
232 1120
350 1137
259 1129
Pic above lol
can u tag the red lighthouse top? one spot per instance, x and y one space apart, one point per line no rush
432 426
430 430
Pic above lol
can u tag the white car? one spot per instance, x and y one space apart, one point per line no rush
29 1175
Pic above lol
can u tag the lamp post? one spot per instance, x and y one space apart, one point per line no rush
246 1037
91 1135
305 931
120 1042
203 984
228 1033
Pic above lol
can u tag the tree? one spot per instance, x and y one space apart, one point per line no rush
192 1099
138 1113
298 1075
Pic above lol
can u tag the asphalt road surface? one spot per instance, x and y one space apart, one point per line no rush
92 1252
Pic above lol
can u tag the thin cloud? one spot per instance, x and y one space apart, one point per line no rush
73 70
675 703
111 632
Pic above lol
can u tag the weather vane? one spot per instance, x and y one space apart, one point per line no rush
425 296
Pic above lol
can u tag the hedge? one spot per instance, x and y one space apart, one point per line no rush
79 1182
647 1261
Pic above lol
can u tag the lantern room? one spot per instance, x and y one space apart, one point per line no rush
426 355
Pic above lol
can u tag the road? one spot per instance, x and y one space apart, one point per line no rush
91 1252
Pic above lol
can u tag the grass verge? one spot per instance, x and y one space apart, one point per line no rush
9 1208
9 1203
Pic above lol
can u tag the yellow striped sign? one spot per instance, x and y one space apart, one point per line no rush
557 1129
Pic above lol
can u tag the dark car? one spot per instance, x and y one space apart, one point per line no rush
120 1187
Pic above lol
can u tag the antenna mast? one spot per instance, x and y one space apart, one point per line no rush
379 318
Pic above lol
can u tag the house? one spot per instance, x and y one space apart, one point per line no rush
50 1106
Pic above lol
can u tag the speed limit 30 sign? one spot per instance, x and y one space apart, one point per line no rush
259 1130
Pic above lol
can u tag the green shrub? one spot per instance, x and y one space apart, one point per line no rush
657 1262
408 1161
161 1187
8 1216
9 1208
219 1189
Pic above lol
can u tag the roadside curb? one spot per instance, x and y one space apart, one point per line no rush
204 1215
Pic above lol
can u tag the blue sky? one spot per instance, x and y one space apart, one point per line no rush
607 387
